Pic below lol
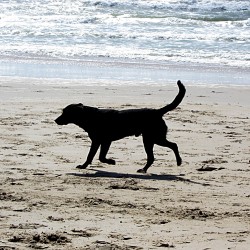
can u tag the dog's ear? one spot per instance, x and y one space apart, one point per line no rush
80 106
77 106
89 109
73 107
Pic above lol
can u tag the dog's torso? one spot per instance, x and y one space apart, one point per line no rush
110 124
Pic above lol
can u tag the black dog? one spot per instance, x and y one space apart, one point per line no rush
106 125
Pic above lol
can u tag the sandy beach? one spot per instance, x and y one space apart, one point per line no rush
46 203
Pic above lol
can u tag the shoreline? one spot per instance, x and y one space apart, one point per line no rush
124 71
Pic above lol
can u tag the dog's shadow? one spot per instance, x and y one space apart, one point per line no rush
160 177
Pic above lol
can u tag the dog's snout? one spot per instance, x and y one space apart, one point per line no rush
59 121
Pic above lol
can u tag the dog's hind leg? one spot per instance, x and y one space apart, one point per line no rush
104 150
148 145
93 149
165 143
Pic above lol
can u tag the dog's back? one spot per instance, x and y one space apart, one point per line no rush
116 124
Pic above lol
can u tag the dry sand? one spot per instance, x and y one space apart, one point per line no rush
46 203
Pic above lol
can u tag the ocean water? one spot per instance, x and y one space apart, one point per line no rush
65 34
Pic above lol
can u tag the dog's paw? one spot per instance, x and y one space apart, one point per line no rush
141 171
179 162
82 166
111 161
108 161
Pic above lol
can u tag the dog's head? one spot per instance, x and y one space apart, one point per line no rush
70 114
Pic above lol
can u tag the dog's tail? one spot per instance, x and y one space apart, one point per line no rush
176 101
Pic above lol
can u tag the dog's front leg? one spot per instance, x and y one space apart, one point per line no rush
93 149
103 153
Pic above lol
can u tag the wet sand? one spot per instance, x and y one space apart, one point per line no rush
46 203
